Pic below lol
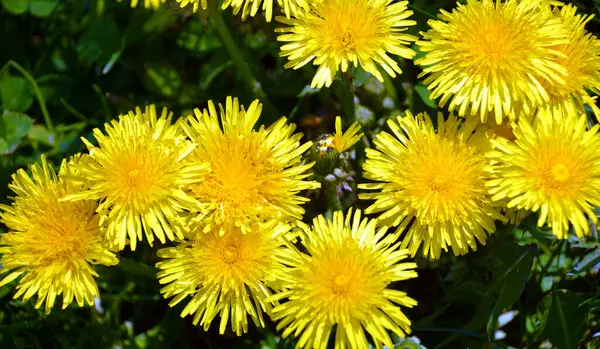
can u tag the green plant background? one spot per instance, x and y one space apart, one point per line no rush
72 65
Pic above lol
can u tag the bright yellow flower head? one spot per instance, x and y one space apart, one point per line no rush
227 275
582 61
339 33
255 175
551 167
195 4
491 56
141 175
51 244
342 280
431 182
342 141
251 7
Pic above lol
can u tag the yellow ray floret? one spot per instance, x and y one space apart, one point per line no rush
552 167
255 175
431 183
492 56
195 4
582 61
141 174
336 34
51 244
342 281
226 275
153 4
251 7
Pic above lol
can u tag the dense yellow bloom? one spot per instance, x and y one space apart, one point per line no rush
51 244
251 7
552 167
339 33
342 280
582 61
227 275
195 4
431 182
255 175
140 174
491 56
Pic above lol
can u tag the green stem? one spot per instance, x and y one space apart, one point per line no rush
137 268
345 92
238 59
105 108
38 94
422 11
72 110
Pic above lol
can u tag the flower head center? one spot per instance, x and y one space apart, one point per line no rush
560 173
340 284
231 255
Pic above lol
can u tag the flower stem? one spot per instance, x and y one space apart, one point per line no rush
252 84
37 92
344 88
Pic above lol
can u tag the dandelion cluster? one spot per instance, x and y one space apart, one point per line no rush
226 193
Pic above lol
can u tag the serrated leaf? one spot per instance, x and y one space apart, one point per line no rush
15 93
566 320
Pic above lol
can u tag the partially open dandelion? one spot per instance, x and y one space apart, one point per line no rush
342 281
582 62
140 173
339 33
340 141
51 244
431 183
551 167
255 175
251 7
226 275
492 56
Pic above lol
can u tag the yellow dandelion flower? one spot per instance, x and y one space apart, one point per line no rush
431 182
227 275
195 4
251 7
343 281
255 174
51 244
338 33
551 167
493 56
582 61
141 174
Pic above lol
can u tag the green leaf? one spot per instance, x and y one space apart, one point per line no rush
13 127
424 93
588 261
163 78
511 283
40 134
17 7
15 93
566 320
98 42
42 8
